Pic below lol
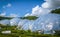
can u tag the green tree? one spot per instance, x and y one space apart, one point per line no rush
56 11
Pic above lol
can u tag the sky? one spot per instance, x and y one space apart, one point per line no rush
18 7
40 8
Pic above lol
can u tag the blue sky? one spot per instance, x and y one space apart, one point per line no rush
19 7
32 7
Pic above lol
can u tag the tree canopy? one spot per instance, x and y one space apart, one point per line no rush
28 17
56 11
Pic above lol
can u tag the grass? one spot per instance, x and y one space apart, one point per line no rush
23 33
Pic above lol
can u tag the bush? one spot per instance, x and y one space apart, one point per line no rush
56 11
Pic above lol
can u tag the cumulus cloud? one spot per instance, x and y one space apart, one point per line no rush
46 5
35 10
39 11
45 8
52 4
3 14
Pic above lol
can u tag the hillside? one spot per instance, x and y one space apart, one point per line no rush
22 33
56 11
2 17
28 17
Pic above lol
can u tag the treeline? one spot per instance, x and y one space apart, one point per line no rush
28 17
56 11
2 18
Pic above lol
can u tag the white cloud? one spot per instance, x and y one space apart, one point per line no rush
3 14
7 6
46 5
27 14
52 4
37 11
45 8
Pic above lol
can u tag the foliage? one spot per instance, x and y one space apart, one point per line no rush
57 32
29 17
23 33
2 18
56 11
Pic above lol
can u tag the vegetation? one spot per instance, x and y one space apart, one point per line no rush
26 33
22 33
2 18
56 11
57 32
28 17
